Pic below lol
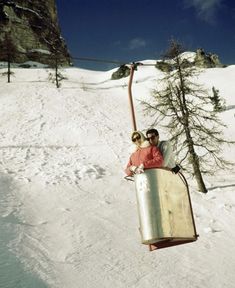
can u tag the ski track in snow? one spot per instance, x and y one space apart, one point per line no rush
64 152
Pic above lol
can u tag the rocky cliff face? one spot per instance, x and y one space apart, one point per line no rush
32 26
201 60
207 60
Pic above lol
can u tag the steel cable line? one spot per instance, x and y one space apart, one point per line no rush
94 59
110 61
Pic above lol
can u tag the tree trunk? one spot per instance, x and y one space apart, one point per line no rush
8 69
200 183
56 73
185 113
195 163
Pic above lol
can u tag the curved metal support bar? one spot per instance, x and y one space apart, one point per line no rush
133 68
130 98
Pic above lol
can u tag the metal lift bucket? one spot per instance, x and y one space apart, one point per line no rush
164 208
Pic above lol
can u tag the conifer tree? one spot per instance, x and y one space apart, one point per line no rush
56 55
185 110
218 103
8 52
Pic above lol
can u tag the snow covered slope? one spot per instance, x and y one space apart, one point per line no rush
62 155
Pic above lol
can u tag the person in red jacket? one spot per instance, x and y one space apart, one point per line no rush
145 155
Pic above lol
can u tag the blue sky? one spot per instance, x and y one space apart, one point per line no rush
132 30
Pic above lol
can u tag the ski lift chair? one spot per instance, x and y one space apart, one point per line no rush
164 209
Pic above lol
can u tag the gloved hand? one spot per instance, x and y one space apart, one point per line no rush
133 168
175 169
140 169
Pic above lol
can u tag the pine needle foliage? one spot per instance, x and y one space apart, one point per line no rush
8 52
185 109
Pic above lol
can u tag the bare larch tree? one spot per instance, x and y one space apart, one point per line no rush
184 108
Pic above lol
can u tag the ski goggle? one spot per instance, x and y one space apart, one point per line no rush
136 138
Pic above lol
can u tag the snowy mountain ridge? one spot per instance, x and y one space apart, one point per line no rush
62 156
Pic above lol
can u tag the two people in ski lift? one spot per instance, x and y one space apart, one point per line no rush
150 153
144 156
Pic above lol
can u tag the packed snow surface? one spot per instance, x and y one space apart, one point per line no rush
72 216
